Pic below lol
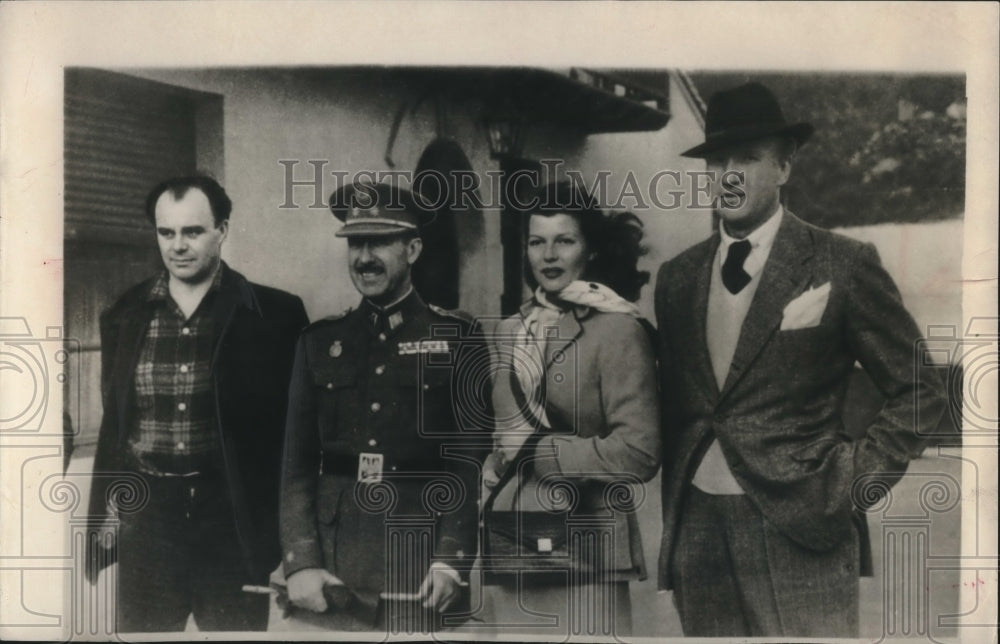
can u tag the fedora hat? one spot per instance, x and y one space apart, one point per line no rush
742 114
378 209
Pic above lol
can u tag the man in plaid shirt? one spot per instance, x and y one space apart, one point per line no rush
173 386
195 369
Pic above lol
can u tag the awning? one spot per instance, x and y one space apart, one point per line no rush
591 102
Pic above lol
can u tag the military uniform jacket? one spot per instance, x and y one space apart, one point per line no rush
398 385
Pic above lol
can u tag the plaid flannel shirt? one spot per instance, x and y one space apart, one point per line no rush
175 407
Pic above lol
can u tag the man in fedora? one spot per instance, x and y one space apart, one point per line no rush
379 490
760 328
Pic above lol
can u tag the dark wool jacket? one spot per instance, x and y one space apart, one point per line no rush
254 333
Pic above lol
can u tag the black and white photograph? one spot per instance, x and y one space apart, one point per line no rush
461 322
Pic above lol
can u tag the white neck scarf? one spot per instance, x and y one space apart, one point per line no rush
529 349
595 295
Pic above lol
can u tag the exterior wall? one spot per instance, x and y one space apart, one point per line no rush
343 117
668 231
925 260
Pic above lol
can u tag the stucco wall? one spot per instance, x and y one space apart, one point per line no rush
342 117
925 260
668 231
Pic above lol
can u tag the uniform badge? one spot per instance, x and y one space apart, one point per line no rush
336 349
370 467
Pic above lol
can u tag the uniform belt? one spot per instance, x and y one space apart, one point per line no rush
347 464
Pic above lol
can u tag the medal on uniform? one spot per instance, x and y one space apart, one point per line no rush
336 349
423 346
370 467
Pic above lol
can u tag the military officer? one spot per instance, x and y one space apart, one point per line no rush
380 437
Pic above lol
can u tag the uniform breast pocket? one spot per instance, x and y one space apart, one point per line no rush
428 389
336 397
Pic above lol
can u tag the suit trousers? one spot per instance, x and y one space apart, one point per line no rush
735 575
179 555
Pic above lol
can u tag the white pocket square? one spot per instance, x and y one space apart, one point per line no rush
806 310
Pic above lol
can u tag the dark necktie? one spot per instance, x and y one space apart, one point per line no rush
733 276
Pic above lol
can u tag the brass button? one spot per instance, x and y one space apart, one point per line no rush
185 331
376 406
182 406
379 370
381 337
184 368
329 385
372 442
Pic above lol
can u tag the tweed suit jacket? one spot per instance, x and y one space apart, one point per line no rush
254 332
777 416
601 382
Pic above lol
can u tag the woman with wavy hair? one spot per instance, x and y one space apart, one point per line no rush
577 427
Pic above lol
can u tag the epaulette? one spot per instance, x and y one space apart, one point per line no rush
454 314
330 319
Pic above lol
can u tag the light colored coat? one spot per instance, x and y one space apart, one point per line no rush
600 381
